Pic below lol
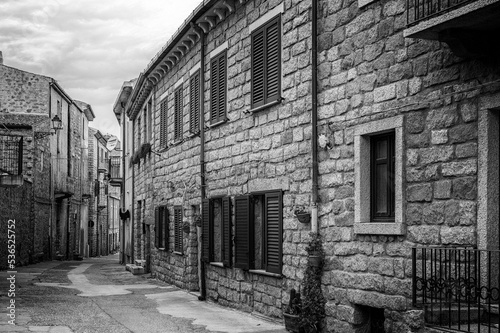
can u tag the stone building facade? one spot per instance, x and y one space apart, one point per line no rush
407 139
50 170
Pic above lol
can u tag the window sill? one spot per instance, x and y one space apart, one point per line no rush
217 264
178 253
192 135
218 123
160 248
177 142
377 228
265 106
263 272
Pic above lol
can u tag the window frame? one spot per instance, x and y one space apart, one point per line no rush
215 103
208 228
389 163
363 222
161 227
266 100
164 123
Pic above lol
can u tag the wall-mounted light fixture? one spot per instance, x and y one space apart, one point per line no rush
57 125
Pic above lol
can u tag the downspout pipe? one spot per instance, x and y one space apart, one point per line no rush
201 271
314 116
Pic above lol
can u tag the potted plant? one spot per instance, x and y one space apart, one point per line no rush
313 301
185 227
292 313
145 149
303 216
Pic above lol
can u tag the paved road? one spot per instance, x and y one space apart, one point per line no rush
98 295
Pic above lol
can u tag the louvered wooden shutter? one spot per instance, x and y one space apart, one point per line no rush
227 235
218 88
273 213
178 114
157 227
266 63
194 103
207 230
243 240
178 229
164 222
163 123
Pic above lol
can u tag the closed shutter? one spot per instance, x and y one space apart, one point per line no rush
227 241
266 64
218 89
194 111
243 240
178 229
178 114
164 227
273 213
207 230
157 227
163 123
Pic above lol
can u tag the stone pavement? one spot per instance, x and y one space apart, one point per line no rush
99 295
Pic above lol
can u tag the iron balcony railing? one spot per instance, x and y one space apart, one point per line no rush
419 10
11 154
115 167
457 287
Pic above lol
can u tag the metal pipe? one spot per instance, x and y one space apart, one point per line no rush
314 116
203 291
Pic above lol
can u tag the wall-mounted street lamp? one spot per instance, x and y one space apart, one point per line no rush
57 125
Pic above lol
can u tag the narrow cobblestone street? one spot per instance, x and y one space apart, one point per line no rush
99 295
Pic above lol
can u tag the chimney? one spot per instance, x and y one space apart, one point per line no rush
1 58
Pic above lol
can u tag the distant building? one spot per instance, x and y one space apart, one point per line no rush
42 169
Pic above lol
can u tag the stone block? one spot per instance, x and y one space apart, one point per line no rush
439 137
434 212
423 234
442 118
465 150
463 133
382 266
415 122
384 93
468 111
458 235
435 154
459 168
377 300
442 189
420 192
414 214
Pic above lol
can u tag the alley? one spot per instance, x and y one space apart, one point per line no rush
98 295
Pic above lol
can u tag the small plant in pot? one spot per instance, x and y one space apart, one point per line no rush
313 301
302 215
292 312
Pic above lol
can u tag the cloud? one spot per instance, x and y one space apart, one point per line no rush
90 47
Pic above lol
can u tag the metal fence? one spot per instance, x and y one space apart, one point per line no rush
457 287
418 10
11 154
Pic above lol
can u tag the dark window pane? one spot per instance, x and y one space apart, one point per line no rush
381 190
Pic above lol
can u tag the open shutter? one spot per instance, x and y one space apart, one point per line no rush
157 227
178 229
258 69
178 114
206 232
163 123
243 240
194 92
214 92
164 223
273 231
273 61
227 241
222 87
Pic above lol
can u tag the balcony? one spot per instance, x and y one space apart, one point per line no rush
115 171
64 187
469 27
458 288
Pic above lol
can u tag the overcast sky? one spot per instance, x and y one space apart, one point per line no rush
89 46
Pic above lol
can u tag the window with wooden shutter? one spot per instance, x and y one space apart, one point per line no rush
178 113
163 222
227 237
194 103
206 230
218 80
243 238
273 231
158 231
163 123
178 229
266 64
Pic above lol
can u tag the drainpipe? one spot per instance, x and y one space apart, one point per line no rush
132 213
122 186
314 120
201 270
